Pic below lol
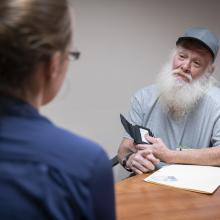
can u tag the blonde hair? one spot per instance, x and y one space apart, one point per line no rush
30 32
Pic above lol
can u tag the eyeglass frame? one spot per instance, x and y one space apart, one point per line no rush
75 54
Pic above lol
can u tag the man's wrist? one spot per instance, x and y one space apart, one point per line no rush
172 155
125 160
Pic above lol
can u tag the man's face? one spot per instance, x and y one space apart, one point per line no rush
184 79
190 63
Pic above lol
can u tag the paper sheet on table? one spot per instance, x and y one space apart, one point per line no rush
203 179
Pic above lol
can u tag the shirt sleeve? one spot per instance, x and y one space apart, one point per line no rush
215 140
213 115
102 189
135 113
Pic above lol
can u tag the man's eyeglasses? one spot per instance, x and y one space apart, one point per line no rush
75 55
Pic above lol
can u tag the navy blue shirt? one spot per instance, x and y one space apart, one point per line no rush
49 173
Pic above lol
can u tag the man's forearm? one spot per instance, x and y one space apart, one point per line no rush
205 156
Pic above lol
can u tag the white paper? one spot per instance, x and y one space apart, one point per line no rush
204 179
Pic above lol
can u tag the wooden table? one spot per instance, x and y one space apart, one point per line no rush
139 200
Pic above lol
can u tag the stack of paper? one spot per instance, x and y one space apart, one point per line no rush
203 179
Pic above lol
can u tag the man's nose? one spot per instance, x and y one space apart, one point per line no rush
186 67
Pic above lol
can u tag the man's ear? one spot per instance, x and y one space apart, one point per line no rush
211 68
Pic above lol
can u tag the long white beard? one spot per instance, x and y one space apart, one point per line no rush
179 97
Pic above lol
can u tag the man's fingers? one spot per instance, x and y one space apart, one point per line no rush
144 147
150 157
148 165
137 171
140 169
139 163
153 159
137 168
133 166
150 139
144 166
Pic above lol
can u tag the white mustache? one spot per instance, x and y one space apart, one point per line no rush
181 73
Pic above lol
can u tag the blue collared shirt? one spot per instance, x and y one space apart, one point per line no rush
49 173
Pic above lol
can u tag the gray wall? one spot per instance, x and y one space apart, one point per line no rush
124 43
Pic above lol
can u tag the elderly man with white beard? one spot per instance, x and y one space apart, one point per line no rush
182 109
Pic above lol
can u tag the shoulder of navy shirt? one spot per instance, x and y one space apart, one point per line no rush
77 166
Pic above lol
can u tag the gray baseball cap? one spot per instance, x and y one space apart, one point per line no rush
204 36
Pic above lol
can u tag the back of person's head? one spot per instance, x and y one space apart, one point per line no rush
31 31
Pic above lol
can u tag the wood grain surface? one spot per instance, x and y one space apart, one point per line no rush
139 200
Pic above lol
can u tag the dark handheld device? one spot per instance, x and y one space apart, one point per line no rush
137 132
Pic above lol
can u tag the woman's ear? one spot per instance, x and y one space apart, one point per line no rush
54 65
53 75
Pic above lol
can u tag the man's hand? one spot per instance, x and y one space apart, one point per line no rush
142 161
158 148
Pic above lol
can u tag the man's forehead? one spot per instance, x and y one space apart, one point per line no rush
195 46
199 51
